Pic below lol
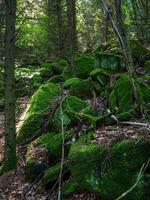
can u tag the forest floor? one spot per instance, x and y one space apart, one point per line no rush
14 186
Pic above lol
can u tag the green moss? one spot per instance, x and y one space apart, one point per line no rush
124 116
72 106
40 101
55 145
69 187
121 173
147 65
83 66
110 62
46 69
139 52
88 158
58 65
67 73
111 174
100 76
52 174
55 79
121 97
143 92
34 170
68 83
46 147
84 89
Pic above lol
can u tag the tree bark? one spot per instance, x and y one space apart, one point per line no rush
123 40
59 20
72 36
10 130
125 44
2 19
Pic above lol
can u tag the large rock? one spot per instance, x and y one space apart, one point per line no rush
121 98
71 81
139 52
112 63
73 110
112 170
83 66
83 89
44 150
43 99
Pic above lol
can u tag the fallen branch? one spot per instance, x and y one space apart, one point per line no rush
63 149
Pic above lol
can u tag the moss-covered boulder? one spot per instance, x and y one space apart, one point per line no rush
67 73
73 109
58 65
52 174
55 79
43 99
69 187
147 65
71 81
100 76
111 63
121 98
44 150
112 171
37 157
83 66
46 70
83 89
139 52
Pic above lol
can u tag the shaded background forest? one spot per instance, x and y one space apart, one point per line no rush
42 28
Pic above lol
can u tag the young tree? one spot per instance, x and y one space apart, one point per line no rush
10 130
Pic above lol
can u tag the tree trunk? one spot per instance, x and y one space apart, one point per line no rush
59 20
72 37
2 19
125 44
10 130
123 40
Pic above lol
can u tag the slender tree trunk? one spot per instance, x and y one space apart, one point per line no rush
10 130
2 19
74 26
49 5
59 20
123 40
72 37
125 44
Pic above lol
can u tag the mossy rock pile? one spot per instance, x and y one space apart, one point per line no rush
112 63
121 98
71 81
139 52
111 171
44 150
83 66
53 172
100 76
73 110
43 99
83 89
